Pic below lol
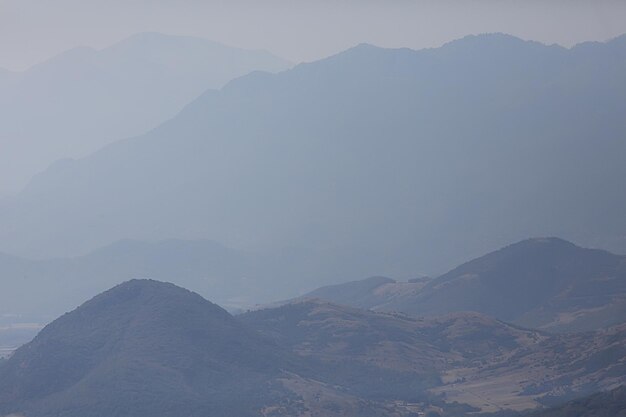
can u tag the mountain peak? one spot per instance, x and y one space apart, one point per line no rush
136 302
145 337
543 242
151 287
493 39
532 283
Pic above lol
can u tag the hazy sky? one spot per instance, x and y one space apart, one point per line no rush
299 30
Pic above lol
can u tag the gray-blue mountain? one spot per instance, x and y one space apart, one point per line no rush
414 159
544 283
80 100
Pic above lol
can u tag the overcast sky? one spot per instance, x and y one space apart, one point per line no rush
299 30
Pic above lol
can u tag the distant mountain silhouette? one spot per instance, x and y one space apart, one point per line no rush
80 100
410 160
39 290
45 289
545 283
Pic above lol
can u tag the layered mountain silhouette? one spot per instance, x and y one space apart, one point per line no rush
545 283
78 101
149 348
40 290
45 289
372 152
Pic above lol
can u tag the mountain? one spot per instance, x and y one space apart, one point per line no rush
539 283
386 156
15 331
78 101
371 293
36 291
463 358
545 283
603 404
143 348
336 333
148 348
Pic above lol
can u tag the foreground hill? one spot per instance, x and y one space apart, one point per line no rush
80 100
147 348
425 146
545 283
182 353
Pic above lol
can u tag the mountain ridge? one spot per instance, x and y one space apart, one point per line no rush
538 283
146 347
342 110
85 98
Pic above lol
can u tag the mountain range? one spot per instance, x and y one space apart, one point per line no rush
147 347
372 162
392 153
543 283
77 102
36 291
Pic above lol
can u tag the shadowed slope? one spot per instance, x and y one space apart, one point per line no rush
142 348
